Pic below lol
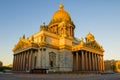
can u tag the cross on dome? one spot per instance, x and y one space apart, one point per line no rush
61 6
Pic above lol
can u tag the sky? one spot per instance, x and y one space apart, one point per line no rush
100 17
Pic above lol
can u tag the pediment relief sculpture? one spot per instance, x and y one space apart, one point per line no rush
24 43
95 45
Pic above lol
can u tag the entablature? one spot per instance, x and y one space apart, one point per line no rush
92 47
24 43
25 49
87 49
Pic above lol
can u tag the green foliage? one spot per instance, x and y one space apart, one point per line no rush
4 68
113 67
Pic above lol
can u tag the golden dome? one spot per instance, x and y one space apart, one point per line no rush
60 15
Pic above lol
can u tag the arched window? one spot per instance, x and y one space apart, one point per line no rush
52 59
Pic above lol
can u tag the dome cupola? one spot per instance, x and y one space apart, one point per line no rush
60 15
61 23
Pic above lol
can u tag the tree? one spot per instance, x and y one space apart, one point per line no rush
4 68
113 68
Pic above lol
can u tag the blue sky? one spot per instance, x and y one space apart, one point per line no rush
100 17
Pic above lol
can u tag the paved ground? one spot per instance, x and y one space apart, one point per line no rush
11 76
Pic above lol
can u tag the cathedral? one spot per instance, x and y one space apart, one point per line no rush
55 49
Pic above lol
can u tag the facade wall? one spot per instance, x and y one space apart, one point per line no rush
52 41
65 60
65 41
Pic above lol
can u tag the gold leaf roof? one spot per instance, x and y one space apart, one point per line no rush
61 15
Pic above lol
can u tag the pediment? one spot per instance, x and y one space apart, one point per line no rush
22 43
94 44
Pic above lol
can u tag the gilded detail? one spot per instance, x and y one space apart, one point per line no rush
55 48
62 29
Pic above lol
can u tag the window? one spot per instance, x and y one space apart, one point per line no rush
52 59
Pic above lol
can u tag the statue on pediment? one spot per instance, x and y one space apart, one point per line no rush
23 36
32 39
43 38
82 42
43 27
90 37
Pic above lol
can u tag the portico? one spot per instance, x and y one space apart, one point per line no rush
87 61
25 60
